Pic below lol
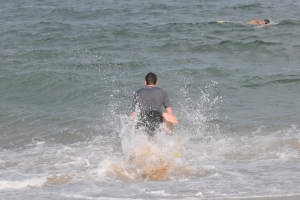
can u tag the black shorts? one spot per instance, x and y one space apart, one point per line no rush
149 121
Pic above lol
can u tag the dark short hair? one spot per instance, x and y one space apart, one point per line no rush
267 21
151 79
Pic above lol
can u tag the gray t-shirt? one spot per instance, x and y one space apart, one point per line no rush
150 99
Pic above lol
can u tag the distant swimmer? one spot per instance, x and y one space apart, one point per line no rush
259 22
147 103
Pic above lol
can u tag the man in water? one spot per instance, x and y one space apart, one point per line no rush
259 22
147 103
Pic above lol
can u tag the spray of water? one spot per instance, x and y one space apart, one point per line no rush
198 139
166 156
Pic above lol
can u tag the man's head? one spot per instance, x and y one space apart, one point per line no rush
267 21
151 79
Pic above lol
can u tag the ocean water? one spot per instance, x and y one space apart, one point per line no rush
68 71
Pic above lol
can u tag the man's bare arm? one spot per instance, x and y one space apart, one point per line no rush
168 116
133 113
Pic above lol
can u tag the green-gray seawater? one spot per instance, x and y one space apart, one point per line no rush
68 71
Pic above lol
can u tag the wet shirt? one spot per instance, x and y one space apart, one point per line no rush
150 99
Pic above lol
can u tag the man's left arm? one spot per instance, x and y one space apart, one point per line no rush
134 103
133 113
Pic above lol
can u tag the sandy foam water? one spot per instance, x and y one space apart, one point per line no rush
220 168
146 158
189 163
32 182
45 165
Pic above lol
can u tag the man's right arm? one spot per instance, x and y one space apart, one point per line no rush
169 110
168 115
